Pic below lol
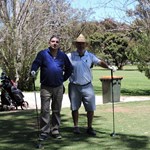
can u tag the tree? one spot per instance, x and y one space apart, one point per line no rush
111 42
141 25
25 28
112 47
144 55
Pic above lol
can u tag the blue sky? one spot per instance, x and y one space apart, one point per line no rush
106 8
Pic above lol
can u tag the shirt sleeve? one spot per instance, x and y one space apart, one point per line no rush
68 68
95 59
37 62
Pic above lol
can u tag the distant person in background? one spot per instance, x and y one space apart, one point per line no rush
80 86
55 68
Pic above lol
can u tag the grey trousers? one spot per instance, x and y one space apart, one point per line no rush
50 98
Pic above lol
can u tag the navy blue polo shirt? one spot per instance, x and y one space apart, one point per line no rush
53 71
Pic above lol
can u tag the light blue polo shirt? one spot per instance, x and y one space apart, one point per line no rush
82 67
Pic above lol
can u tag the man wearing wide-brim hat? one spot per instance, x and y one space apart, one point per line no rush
80 42
81 39
80 83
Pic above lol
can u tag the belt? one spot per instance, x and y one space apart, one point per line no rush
82 85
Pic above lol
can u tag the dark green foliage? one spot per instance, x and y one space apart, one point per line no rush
112 46
143 55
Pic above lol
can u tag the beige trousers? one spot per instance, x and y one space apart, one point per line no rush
51 101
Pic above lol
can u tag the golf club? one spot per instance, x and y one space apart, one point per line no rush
113 133
38 145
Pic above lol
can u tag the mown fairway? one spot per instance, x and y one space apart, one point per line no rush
18 130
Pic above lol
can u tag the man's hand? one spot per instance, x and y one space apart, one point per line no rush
33 73
113 68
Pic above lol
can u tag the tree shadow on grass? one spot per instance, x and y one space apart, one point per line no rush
135 92
125 141
103 140
134 142
124 91
18 131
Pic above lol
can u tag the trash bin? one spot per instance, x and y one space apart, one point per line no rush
107 88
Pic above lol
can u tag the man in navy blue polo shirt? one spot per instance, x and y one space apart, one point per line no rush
55 68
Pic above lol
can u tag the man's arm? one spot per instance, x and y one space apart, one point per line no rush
68 68
105 65
35 65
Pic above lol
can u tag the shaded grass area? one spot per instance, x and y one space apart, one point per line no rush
18 129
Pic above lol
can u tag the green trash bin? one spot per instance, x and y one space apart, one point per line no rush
107 88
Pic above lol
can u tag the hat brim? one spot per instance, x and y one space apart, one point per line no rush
76 41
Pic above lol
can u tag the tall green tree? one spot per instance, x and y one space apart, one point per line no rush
111 42
144 55
141 26
112 47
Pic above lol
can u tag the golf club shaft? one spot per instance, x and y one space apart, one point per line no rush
38 125
113 102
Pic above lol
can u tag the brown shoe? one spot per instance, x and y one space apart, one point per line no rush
76 130
90 131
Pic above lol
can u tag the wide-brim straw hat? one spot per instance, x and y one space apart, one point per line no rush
81 38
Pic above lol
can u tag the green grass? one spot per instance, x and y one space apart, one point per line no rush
134 83
18 130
